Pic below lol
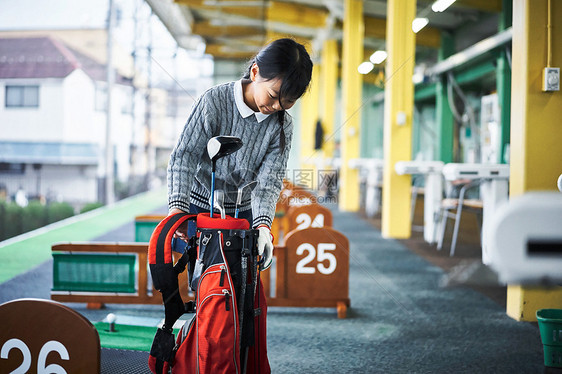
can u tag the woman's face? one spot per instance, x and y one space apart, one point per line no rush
266 93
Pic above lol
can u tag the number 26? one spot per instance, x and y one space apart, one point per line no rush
42 367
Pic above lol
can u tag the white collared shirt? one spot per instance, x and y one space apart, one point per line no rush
244 110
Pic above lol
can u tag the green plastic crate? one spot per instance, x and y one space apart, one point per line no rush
550 327
86 272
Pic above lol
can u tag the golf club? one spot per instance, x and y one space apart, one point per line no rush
219 202
218 147
251 185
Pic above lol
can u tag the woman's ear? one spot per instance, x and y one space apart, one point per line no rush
254 71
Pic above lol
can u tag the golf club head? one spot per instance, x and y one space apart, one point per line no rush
220 146
219 202
250 186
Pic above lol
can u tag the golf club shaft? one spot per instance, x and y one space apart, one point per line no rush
251 185
212 193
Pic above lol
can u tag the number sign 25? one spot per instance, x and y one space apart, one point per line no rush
317 264
321 255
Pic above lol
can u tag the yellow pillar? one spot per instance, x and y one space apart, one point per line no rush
352 56
309 115
329 83
398 111
536 135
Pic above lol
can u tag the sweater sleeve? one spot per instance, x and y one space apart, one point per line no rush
270 177
189 149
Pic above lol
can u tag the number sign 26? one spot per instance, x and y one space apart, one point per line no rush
42 368
46 337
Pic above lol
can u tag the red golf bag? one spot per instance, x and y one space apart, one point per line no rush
227 333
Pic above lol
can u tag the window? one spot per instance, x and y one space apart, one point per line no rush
22 96
9 168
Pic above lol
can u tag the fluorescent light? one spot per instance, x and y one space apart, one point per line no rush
365 67
441 5
378 57
419 23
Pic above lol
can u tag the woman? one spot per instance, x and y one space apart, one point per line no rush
253 109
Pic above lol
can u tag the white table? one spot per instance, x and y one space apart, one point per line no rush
374 169
431 171
493 190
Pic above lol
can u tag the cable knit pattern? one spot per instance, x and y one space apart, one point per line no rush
260 158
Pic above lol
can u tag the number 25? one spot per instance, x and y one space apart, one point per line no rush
323 255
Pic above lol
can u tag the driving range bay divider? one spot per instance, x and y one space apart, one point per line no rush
311 265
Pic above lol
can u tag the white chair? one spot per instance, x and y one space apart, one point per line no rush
452 208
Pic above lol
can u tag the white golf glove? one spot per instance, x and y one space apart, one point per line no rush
265 247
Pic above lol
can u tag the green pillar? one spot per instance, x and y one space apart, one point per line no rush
503 78
445 120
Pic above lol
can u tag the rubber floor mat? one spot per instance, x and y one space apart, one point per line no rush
120 361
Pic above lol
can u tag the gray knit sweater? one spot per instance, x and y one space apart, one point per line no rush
260 158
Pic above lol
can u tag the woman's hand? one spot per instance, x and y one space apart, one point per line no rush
265 246
181 232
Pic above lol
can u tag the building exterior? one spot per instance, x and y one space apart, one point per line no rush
53 119
53 122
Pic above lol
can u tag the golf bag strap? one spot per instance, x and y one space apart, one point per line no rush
164 273
160 244
165 279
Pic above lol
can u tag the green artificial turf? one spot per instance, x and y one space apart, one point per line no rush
134 338
34 248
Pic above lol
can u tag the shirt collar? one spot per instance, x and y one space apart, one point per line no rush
245 110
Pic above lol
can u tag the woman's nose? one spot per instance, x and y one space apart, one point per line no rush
276 105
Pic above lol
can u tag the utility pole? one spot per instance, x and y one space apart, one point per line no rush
109 185
148 147
133 146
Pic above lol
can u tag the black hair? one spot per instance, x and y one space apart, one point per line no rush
288 60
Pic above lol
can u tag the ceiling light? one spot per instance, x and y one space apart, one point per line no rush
418 24
417 78
365 67
378 57
419 74
441 5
